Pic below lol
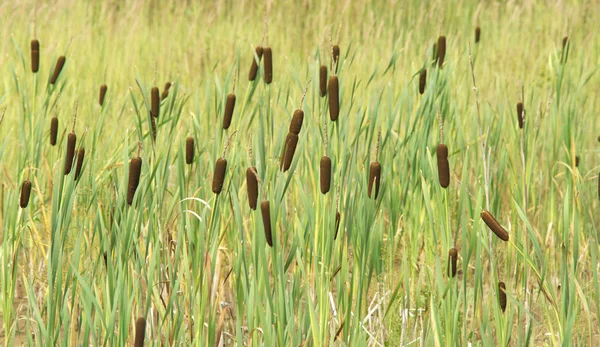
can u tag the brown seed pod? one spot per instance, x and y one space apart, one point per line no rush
80 156
53 130
252 185
229 106
502 295
337 224
25 193
35 55
325 174
576 161
493 224
443 165
165 92
254 66
520 115
477 34
441 53
336 54
265 210
154 102
71 141
140 332
219 175
268 65
422 81
135 169
296 123
60 63
189 150
323 80
452 257
565 48
374 177
103 89
334 98
291 141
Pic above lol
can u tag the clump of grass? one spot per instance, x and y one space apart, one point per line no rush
103 89
79 165
441 50
53 130
494 226
265 210
255 62
502 295
71 142
422 81
165 92
452 258
323 80
189 150
375 172
520 115
25 193
35 55
60 63
140 332
268 65
135 170
477 34
154 102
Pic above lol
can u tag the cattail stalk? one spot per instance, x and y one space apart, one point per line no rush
335 54
35 55
60 63
25 193
375 172
265 210
494 226
296 123
565 49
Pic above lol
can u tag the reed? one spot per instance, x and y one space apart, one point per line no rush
520 115
60 63
189 150
335 54
265 210
502 295
219 175
229 107
103 89
135 169
53 130
25 193
255 62
334 98
268 65
493 224
35 55
70 154
443 165
291 141
165 92
154 102
296 123
452 258
325 177
477 34
323 80
252 186
140 332
441 50
422 81
79 165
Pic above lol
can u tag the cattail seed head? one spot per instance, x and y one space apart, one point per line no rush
422 81
374 177
291 141
493 224
325 174
477 34
441 50
443 165
252 185
565 48
25 193
265 210
268 65
334 98
520 115
336 54
135 169
140 332
154 102
323 80
254 66
576 161
103 89
452 257
60 63
189 150
71 141
219 175
337 224
53 130
165 92
297 119
80 156
35 55
502 295
229 106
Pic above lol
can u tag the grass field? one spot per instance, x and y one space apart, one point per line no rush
140 250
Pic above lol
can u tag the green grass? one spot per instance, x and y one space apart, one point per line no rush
79 265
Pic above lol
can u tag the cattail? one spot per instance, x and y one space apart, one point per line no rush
297 119
252 185
80 156
477 34
266 217
374 177
135 168
103 89
520 115
493 224
140 332
71 141
443 165
422 81
565 49
336 54
25 193
452 257
337 224
268 65
254 66
229 106
53 130
219 175
323 80
576 161
165 92
334 98
60 63
189 150
35 55
325 174
502 295
154 102
441 50
291 141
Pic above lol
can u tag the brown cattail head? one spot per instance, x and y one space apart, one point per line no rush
189 150
443 165
576 161
265 210
477 34
60 63
53 130
565 49
334 98
252 185
103 89
323 80
25 193
297 119
337 224
325 174
291 141
219 175
268 65
374 177
452 257
35 55
154 102
502 295
520 114
335 51
71 141
422 81
229 106
493 224
140 332
441 50
254 66
165 92
80 156
135 169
